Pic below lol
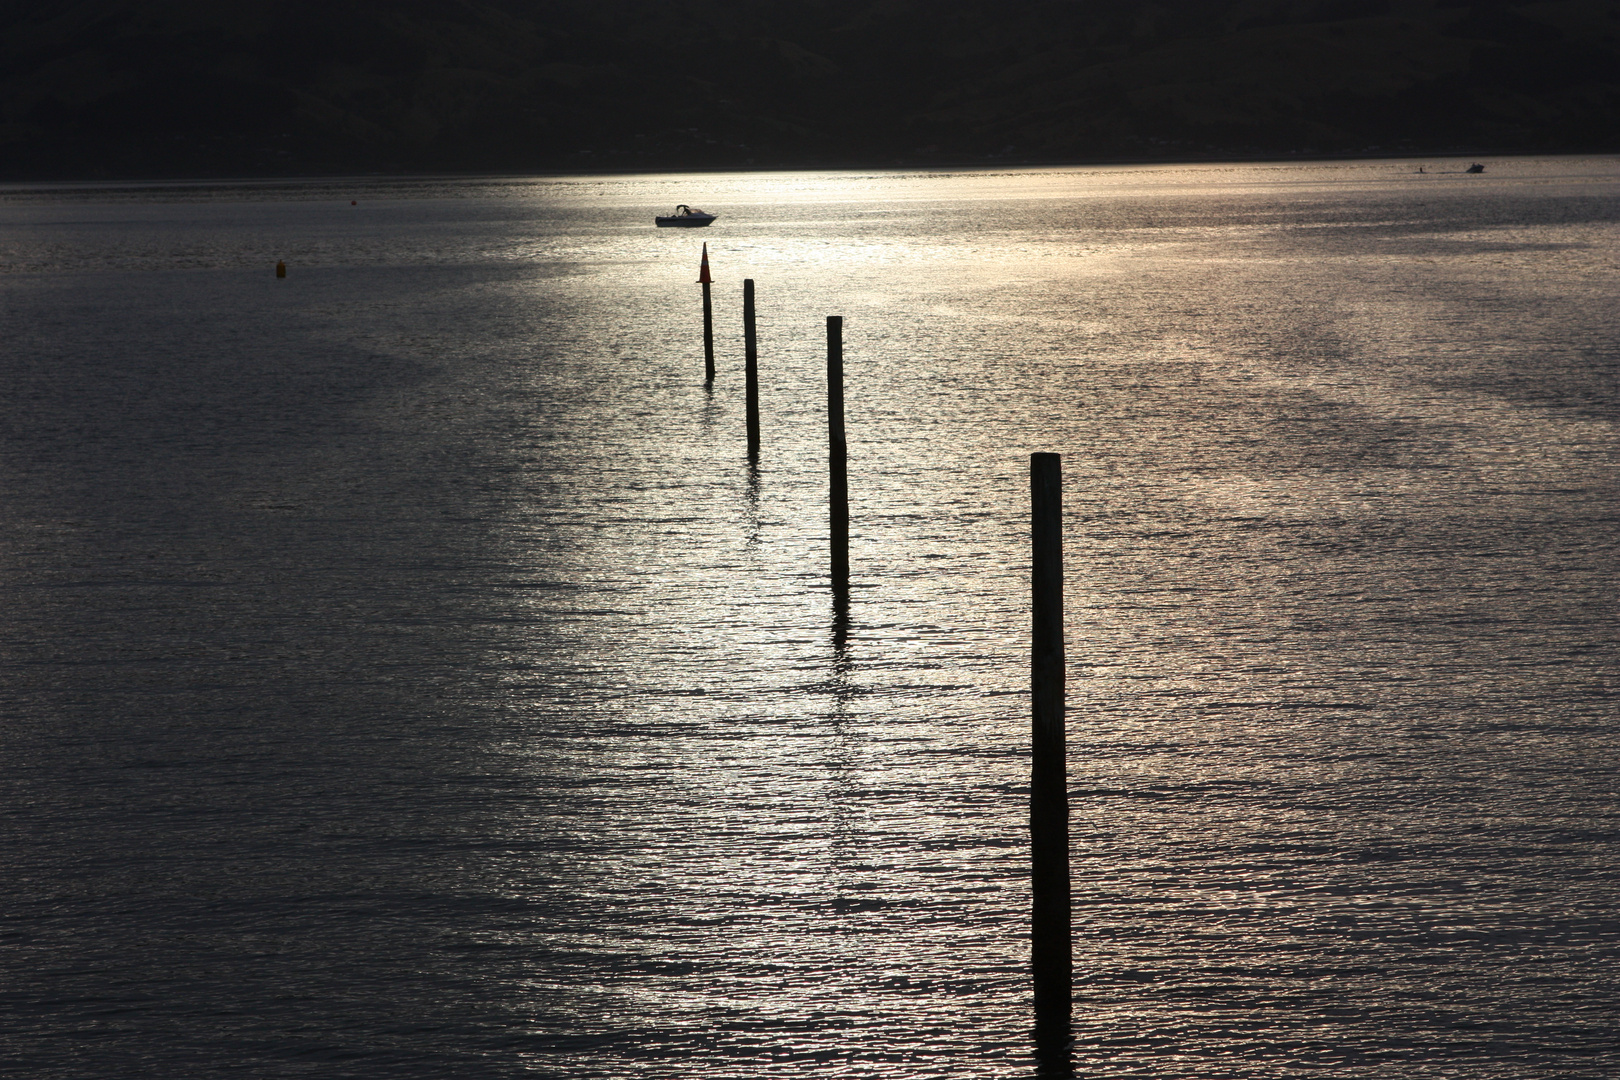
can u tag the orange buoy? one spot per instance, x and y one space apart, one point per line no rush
281 268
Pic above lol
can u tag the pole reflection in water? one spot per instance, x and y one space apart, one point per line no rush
840 632
751 504
1054 1058
514 732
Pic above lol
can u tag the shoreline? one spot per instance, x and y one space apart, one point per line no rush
20 186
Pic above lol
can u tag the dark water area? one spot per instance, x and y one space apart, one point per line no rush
402 672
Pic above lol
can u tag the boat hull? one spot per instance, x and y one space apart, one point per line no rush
693 222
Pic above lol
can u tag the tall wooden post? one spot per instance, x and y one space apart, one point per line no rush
750 369
837 456
1051 957
708 318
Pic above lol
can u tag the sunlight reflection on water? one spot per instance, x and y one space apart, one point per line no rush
444 578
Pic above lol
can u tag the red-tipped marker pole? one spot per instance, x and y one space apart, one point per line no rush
708 317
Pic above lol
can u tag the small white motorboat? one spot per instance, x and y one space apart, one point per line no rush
685 216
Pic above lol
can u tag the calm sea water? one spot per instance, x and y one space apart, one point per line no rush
404 675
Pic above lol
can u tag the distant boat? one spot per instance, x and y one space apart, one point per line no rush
685 216
1475 167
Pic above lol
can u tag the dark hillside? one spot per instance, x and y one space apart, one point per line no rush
182 87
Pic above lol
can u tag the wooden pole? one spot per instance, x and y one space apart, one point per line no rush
708 335
751 369
1051 957
837 455
708 318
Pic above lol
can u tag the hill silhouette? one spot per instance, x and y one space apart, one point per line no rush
118 88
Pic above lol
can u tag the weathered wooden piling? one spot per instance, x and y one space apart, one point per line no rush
1051 954
708 318
837 456
750 369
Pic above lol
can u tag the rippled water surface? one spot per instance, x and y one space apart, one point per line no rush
404 674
